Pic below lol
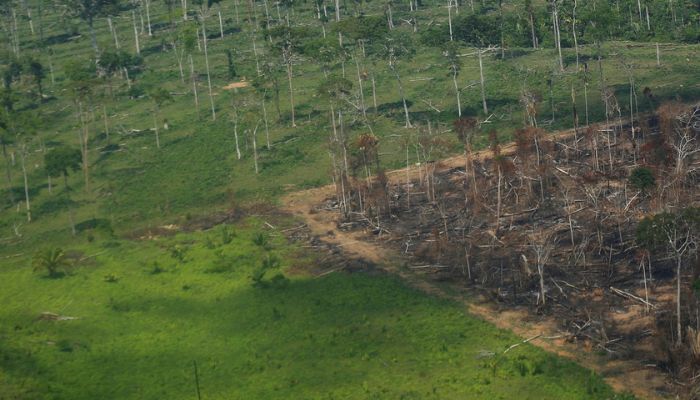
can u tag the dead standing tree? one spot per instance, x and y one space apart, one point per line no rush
680 129
335 91
542 243
676 235
465 129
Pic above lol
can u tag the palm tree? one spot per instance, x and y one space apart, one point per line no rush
51 260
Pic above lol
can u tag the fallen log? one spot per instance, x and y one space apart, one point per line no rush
630 296
49 316
521 343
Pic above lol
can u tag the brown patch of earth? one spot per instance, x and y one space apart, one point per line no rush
236 85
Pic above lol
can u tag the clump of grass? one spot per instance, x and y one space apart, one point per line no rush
227 234
267 264
221 264
156 268
179 253
261 239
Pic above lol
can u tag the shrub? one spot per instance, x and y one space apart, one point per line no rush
271 262
227 234
51 260
178 252
156 268
642 178
260 240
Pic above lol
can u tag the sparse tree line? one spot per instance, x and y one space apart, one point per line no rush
349 45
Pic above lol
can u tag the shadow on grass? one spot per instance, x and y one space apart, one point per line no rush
347 334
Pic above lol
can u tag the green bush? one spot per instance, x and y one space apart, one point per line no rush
642 178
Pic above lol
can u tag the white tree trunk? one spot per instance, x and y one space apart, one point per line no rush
31 22
255 54
194 84
235 135
573 29
267 130
658 55
221 25
449 17
179 57
557 37
206 62
403 97
483 86
255 148
679 262
459 103
374 93
362 94
148 16
114 32
104 116
26 184
15 33
136 33
155 127
288 62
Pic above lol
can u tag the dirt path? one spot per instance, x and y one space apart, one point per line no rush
622 375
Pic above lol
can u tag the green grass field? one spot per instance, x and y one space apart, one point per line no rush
147 310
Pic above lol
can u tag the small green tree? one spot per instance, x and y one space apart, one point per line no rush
82 76
10 74
642 178
111 63
38 74
88 10
269 81
51 260
59 162
159 96
231 67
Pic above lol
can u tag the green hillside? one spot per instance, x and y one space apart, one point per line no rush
146 145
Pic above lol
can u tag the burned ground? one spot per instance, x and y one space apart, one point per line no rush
549 224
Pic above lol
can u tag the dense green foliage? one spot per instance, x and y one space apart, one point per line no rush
642 178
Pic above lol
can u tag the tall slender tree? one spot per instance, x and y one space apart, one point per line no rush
88 11
58 162
394 48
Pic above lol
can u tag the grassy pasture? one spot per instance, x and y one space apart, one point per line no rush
147 309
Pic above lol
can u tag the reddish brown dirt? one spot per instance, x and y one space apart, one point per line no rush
236 85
